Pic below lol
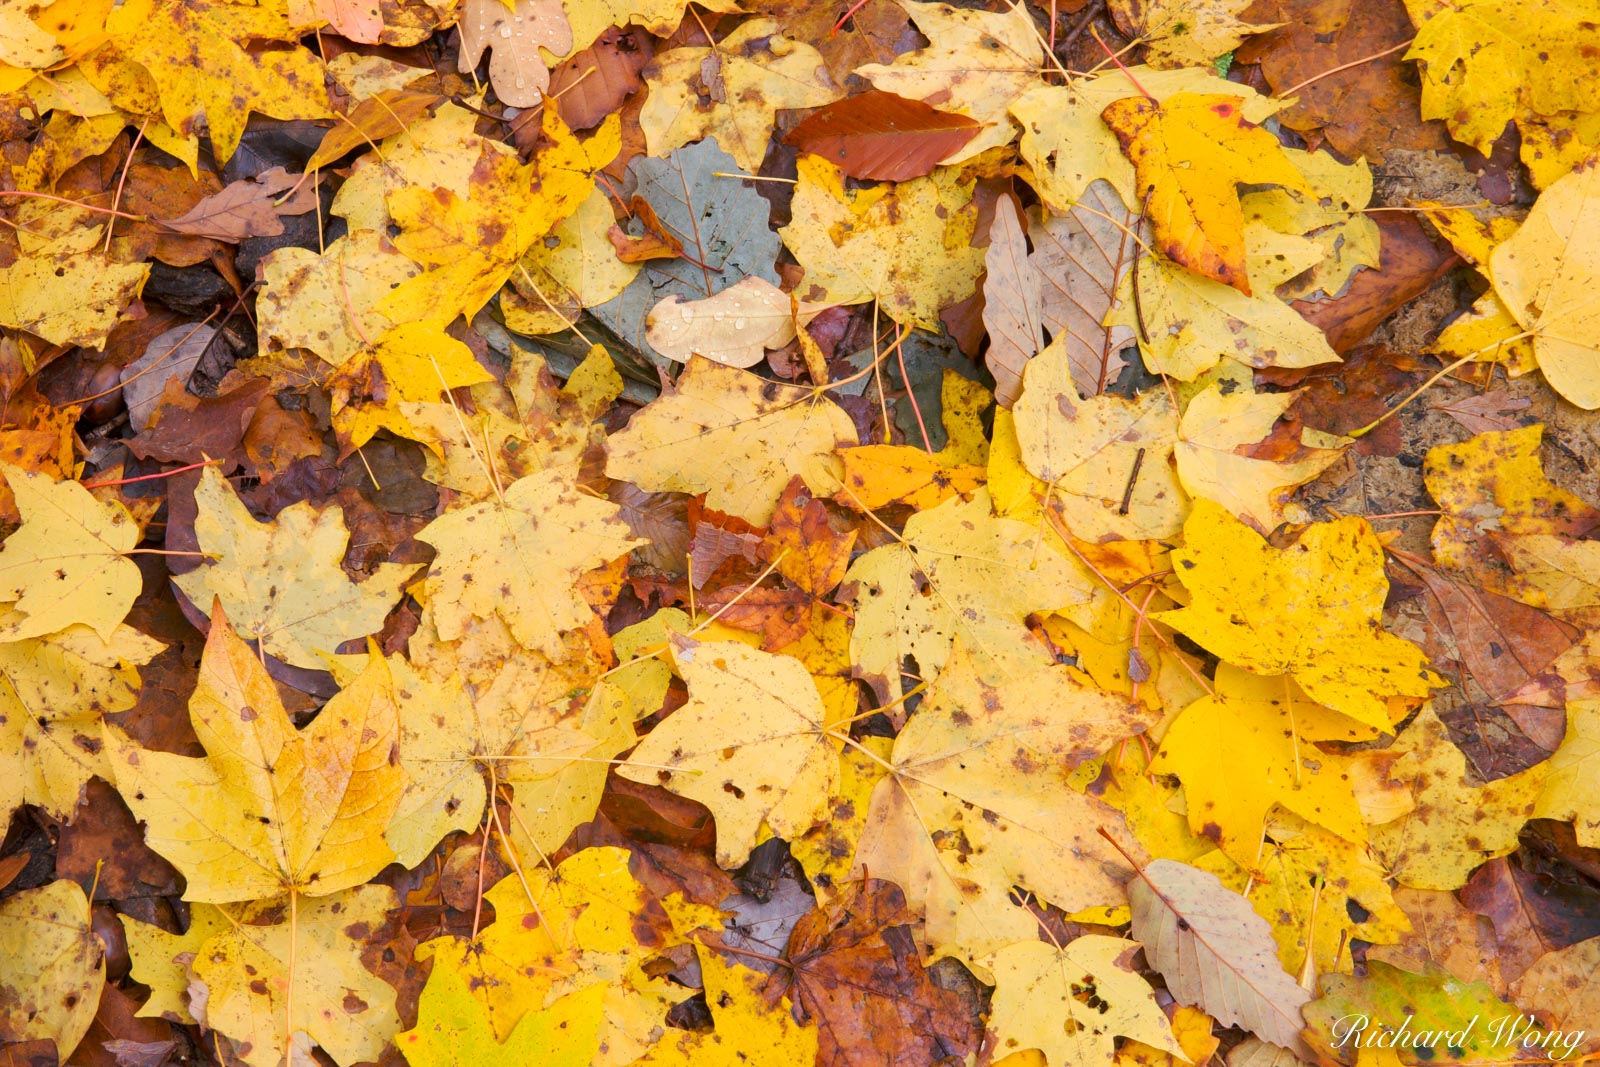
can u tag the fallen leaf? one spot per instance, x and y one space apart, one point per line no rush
1457 822
1216 953
246 208
52 966
735 327
1107 460
1487 62
1437 1004
1089 981
68 563
1298 611
882 136
68 299
976 63
907 246
1185 33
298 614
774 768
719 223
1083 257
452 1028
957 571
1545 273
517 555
1214 428
514 33
975 803
1190 153
733 436
203 77
56 691
759 71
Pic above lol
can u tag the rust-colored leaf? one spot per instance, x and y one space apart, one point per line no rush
882 136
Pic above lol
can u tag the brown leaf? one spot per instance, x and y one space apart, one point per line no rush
1011 296
882 136
591 84
1081 258
856 972
1501 642
1410 262
1518 908
1368 109
187 429
247 208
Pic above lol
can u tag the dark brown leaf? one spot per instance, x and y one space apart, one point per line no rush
857 973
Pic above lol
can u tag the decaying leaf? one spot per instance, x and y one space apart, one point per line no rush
1298 611
52 966
733 436
770 764
1216 953
736 327
514 35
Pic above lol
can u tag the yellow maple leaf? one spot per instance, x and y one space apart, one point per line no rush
271 810
410 363
574 267
205 78
747 1030
53 692
1311 611
1546 273
769 763
68 299
907 245
1066 145
325 303
586 922
483 703
734 436
758 72
52 966
517 556
453 1028
959 571
1214 427
248 960
976 63
1457 823
1486 62
1569 792
1191 152
1244 749
1495 482
1107 459
1302 882
1191 322
1184 33
976 802
1039 985
305 604
67 564
470 242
